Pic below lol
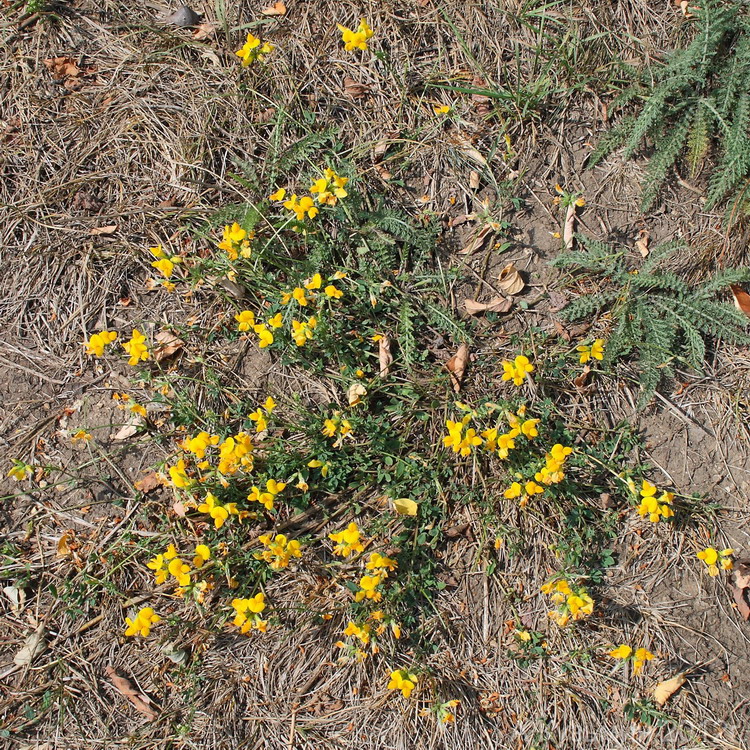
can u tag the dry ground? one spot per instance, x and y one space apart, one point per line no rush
144 142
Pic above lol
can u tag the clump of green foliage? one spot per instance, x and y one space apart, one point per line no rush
696 105
655 314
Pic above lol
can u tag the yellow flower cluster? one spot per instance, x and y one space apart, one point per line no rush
235 454
302 330
247 613
20 470
169 564
460 441
301 207
380 566
218 512
126 402
199 444
329 188
517 370
135 348
365 634
570 604
356 39
260 415
253 49
141 624
266 498
656 508
595 351
404 681
308 292
711 556
639 657
246 320
278 550
348 541
552 471
337 428
98 341
236 242
164 263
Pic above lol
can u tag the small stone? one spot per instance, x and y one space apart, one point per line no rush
184 16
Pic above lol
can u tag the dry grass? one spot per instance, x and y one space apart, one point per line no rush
150 143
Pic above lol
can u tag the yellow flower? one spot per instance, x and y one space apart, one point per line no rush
302 207
276 321
142 623
711 556
265 336
516 370
347 541
595 351
621 652
315 282
316 464
82 435
302 331
368 586
355 39
653 507
442 110
381 564
98 341
179 570
331 291
279 550
20 471
402 680
529 428
278 196
216 510
329 189
640 658
135 348
245 320
247 613
253 50
164 266
513 491
178 475
266 498
199 444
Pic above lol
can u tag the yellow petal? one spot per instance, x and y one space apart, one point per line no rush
405 507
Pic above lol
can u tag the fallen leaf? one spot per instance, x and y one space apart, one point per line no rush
32 647
62 67
385 358
570 227
63 546
123 686
110 229
510 280
562 330
355 393
405 506
641 244
355 89
477 241
168 343
17 597
460 219
739 599
148 482
204 31
457 366
580 381
741 299
496 304
666 689
229 286
742 574
277 9
179 508
125 432
474 180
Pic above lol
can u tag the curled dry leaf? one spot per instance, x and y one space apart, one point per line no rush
741 299
474 180
277 9
741 586
168 345
355 89
562 331
666 689
33 646
110 229
404 506
496 305
457 366
569 228
204 31
62 67
63 543
17 597
580 381
477 241
510 280
148 482
125 432
123 686
355 393
641 244
385 358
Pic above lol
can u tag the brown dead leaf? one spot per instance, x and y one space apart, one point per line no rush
110 229
562 330
123 686
460 219
355 89
277 9
666 689
510 280
742 574
739 599
457 366
169 345
355 393
580 381
179 509
148 482
63 543
62 67
125 432
570 227
496 304
474 180
641 244
385 358
204 31
477 241
741 299
32 647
